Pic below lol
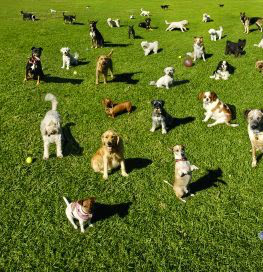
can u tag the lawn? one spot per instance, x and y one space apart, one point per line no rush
141 225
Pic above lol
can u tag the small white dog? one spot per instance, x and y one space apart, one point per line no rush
206 18
52 11
165 81
260 44
113 23
67 58
150 46
144 12
51 128
132 17
175 25
214 34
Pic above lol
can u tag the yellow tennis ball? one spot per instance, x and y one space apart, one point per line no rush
179 57
75 72
29 160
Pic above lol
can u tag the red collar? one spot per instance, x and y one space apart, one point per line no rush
181 160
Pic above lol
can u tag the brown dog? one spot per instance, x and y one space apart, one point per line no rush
259 65
104 63
110 155
112 109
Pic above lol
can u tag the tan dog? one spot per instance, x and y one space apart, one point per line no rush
104 63
112 109
110 155
259 65
199 49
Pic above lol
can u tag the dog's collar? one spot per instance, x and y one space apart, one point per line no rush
84 216
178 160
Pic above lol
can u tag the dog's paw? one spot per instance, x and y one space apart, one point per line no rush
75 227
62 67
124 174
204 120
209 125
193 167
60 156
254 163
45 158
105 177
152 129
91 226
164 132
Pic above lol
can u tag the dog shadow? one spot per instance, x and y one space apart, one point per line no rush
180 121
104 211
231 69
70 145
224 36
76 23
208 56
126 78
233 111
138 37
136 163
81 62
211 179
54 79
180 82
154 27
109 44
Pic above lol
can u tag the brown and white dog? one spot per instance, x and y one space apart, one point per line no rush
255 132
110 155
199 49
104 63
215 109
82 210
259 65
112 109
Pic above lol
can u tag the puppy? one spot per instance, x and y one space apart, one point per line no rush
104 63
255 132
82 210
199 49
52 11
51 128
183 172
246 21
222 71
113 23
67 58
236 49
144 12
160 118
69 18
146 24
260 44
215 34
164 6
96 37
28 16
131 32
112 109
148 47
132 17
206 18
259 65
33 66
215 109
177 25
165 81
110 155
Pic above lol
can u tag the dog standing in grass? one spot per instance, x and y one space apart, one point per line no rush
104 63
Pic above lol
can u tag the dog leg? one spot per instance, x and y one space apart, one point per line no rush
123 169
59 147
38 80
104 78
164 129
217 122
70 218
97 77
81 224
153 127
46 148
208 115
193 167
254 159
203 56
111 72
105 167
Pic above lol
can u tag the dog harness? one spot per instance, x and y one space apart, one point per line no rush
84 216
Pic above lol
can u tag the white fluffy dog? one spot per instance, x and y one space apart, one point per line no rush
175 25
51 128
260 44
144 12
67 58
165 81
214 34
206 18
150 46
113 23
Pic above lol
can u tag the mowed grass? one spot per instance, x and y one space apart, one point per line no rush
149 229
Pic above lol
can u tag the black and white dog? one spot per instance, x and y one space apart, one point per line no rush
96 37
28 16
236 49
69 18
131 32
223 71
146 24
164 6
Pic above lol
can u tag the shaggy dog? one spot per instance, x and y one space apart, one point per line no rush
165 81
206 18
260 44
148 47
144 12
113 23
236 49
146 24
67 58
215 34
222 71
28 16
96 37
246 21
104 63
259 65
177 25
199 49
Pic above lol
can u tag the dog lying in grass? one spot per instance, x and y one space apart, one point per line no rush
236 49
112 109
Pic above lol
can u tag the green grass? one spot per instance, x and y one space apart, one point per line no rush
217 230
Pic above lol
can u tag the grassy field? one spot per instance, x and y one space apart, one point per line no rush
140 225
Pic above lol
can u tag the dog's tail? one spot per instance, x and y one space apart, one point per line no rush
167 22
109 55
76 55
168 183
232 125
52 98
66 201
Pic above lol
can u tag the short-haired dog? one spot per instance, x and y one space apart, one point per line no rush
164 6
236 49
247 21
165 81
215 34
104 64
149 47
113 23
69 18
112 108
28 16
177 25
96 37
222 71
199 49
67 58
146 24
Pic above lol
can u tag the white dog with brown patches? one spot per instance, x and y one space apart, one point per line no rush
199 49
215 109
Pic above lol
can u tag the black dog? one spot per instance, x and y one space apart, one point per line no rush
69 18
146 24
33 66
131 32
221 5
96 37
164 6
28 16
235 48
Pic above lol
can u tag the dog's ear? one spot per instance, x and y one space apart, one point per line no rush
41 49
213 96
153 102
246 112
162 103
200 96
80 202
33 48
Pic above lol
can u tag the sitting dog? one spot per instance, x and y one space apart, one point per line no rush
246 21
69 18
177 25
33 66
164 6
104 63
67 58
165 81
236 49
259 65
144 12
146 24
148 47
183 172
131 32
260 44
51 128
255 132
199 49
214 34
110 155
112 109
82 210
215 109
206 18
222 71
96 37
160 118
113 23
28 16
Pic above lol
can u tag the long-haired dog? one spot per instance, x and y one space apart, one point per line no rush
67 58
177 25
104 63
110 155
259 66
215 109
51 128
165 81
223 71
96 37
146 24
112 108
206 18
69 18
81 210
144 12
199 49
260 44
149 47
182 172
113 23
236 49
255 131
28 16
216 34
131 32
246 21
